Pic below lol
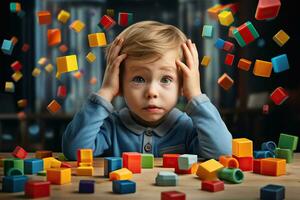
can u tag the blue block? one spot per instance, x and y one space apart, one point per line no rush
268 146
86 186
280 63
33 166
263 154
124 187
165 178
274 192
7 47
219 43
14 183
111 164
207 31
186 161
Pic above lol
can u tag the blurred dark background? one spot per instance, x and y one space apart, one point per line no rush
240 107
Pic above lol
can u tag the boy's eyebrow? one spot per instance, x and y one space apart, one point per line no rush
164 68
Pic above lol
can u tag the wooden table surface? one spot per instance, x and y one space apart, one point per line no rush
189 184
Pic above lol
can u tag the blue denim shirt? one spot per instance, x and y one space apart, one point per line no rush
199 130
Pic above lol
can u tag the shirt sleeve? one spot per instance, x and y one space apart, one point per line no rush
90 128
211 136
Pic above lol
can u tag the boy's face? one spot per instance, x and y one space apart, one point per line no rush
151 89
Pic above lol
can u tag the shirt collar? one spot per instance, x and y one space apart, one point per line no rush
138 129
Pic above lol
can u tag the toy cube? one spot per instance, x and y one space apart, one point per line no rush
229 59
54 37
44 17
165 178
225 18
85 171
286 154
125 19
66 63
268 146
263 154
63 48
55 163
205 61
10 163
267 9
37 189
86 186
219 43
14 172
212 186
228 161
110 12
279 95
19 152
106 22
90 57
84 157
281 38
280 63
262 68
230 34
93 81
61 91
63 16
257 166
9 87
13 183
242 147
14 40
33 166
49 68
120 174
15 7
42 61
22 103
17 76
43 154
77 75
232 175
111 164
132 161
147 161
191 170
245 163
25 47
97 40
273 166
245 34
276 192
77 26
123 187
59 176
214 11
47 162
225 82
16 66
65 165
170 160
7 47
53 107
265 109
288 141
244 64
172 195
208 169
228 46
186 161
207 31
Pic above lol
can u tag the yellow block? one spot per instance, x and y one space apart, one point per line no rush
226 18
120 174
63 16
208 170
97 39
281 38
49 68
55 163
17 76
58 75
85 171
42 61
214 11
77 26
205 61
47 162
242 147
262 68
35 72
59 175
66 64
90 57
9 87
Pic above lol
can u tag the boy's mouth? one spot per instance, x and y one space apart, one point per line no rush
153 109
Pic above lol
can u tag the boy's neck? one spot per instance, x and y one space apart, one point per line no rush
144 123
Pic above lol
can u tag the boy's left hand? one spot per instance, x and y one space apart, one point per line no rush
191 74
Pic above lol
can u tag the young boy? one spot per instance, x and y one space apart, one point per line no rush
145 65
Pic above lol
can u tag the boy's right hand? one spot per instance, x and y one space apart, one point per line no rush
110 85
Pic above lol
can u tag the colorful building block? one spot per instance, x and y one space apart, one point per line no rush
85 171
267 9
93 80
85 157
191 170
125 19
77 26
15 7
53 106
25 47
212 186
17 76
279 95
262 68
205 61
42 61
230 30
19 152
16 66
132 161
225 82
214 11
147 161
266 109
65 165
273 166
106 22
245 162
170 160
281 38
22 103
66 63
172 195
63 16
228 161
242 147
63 48
186 161
244 64
86 186
123 187
120 174
14 172
7 47
55 163
110 12
90 57
228 46
245 34
219 43
16 163
257 166
263 154
271 191
61 91
286 154
288 141
47 162
37 189
97 40
229 59
59 176
208 169
268 146
232 175
43 154
165 178
49 68
111 164
14 40
33 166
280 63
13 183
207 31
54 36
9 87
225 18
44 17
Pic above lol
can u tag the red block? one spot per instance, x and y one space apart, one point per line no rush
228 46
106 22
245 163
257 166
54 37
246 33
124 19
61 91
172 195
212 186
170 160
229 59
65 165
19 152
16 66
265 109
37 189
25 47
279 95
132 161
267 9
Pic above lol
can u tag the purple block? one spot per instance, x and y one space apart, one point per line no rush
86 186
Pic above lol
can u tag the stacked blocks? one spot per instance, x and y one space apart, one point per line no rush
186 161
37 189
257 166
225 18
77 26
165 178
245 34
59 176
228 161
280 63
276 192
97 40
106 22
242 150
286 146
63 16
244 64
233 175
286 154
54 37
7 47
53 106
212 186
267 9
44 17
86 186
268 146
147 161
279 95
123 187
13 183
125 19
85 171
111 164
19 152
170 160
172 195
66 63
120 174
84 157
229 59
33 166
11 163
191 170
273 166
225 82
207 31
281 38
262 68
208 170
132 161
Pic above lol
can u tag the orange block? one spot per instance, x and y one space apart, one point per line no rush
273 166
262 68
63 48
132 161
214 11
53 106
244 64
85 171
120 174
242 147
54 37
229 161
44 17
208 170
225 81
59 176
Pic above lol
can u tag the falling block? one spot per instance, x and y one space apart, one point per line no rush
85 157
208 169
242 147
214 11
230 34
272 191
44 17
37 189
85 171
120 174
19 152
228 46
279 95
16 163
245 34
13 183
225 18
66 63
90 57
268 146
280 63
170 160
281 38
54 36
225 82
14 40
147 161
77 26
93 80
17 76
61 91
63 16
207 31
186 161
42 61
86 186
263 154
228 161
265 109
110 12
7 47
273 166
49 68
172 195
25 47
229 59
262 68
15 7
111 164
123 187
205 61
59 176
9 87
16 66
97 40
232 175
125 19
63 48
22 103
43 154
165 178
33 166
212 186
53 107
288 141
267 9
220 43
244 64
132 161
106 22
286 154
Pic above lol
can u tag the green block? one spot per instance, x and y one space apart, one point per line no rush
130 18
286 154
236 34
147 161
288 142
42 173
252 29
13 7
10 163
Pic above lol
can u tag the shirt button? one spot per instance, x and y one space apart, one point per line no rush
149 133
148 147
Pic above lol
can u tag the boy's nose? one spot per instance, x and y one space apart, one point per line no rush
151 91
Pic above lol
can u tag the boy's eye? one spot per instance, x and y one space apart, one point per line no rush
138 79
166 79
